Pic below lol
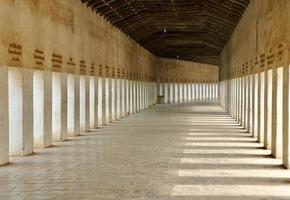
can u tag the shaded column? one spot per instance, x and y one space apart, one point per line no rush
77 104
64 106
285 136
4 117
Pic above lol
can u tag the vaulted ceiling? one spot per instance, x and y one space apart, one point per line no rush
194 30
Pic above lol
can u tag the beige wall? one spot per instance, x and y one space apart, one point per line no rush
260 41
68 36
170 70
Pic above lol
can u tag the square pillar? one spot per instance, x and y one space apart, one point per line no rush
87 106
77 105
110 100
174 92
96 102
92 103
20 111
262 104
4 117
64 106
277 136
267 142
257 106
265 83
70 105
104 100
252 104
82 104
100 101
286 118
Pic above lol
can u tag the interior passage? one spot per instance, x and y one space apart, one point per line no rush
170 151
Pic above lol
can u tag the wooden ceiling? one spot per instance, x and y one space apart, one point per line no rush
194 30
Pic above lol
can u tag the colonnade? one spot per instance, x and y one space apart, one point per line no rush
260 102
188 92
40 107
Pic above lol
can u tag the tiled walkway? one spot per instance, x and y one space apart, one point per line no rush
167 152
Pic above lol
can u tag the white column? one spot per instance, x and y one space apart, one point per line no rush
77 105
92 102
120 98
4 117
47 137
100 101
286 134
174 92
110 100
253 108
117 104
135 97
96 102
20 111
184 92
127 97
196 91
130 92
64 105
87 107
38 108
286 118
242 101
274 111
70 105
277 139
193 92
269 110
139 95
257 106
59 109
82 104
247 105
104 100
181 92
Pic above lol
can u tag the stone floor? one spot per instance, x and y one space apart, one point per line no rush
176 152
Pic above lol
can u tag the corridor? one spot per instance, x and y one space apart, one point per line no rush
178 151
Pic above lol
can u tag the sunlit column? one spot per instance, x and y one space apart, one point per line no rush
96 102
87 102
110 100
116 99
267 142
20 111
82 104
264 106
